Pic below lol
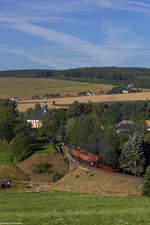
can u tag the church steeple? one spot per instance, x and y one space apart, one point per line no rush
45 104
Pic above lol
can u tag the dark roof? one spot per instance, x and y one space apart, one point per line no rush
127 126
38 115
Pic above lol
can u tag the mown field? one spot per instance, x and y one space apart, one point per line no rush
65 208
28 87
60 102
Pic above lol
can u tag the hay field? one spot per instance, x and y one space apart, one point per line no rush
25 88
99 98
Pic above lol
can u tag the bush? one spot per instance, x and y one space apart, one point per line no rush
146 186
57 176
42 168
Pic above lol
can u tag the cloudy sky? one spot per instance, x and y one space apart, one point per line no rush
58 34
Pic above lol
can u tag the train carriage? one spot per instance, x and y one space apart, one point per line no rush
92 159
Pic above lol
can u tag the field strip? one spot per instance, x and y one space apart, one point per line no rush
85 99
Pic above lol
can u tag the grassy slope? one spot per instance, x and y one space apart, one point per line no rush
7 169
56 160
63 208
23 171
99 181
28 87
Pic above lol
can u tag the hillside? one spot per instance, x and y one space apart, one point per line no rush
23 175
100 182
140 77
28 88
56 160
27 73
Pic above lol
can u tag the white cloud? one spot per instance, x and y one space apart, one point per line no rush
47 62
71 43
74 52
81 6
119 45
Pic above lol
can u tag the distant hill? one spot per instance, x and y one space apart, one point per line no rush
120 76
28 73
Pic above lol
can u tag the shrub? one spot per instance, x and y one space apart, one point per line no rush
57 176
42 168
54 102
146 186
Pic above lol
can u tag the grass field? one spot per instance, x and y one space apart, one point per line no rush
64 208
28 87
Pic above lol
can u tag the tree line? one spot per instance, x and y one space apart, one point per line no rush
119 76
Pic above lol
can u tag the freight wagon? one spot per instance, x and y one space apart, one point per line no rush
85 156
91 158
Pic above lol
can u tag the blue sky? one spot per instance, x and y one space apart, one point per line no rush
60 34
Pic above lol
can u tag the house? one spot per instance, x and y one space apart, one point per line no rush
89 93
125 125
125 91
14 99
147 125
36 119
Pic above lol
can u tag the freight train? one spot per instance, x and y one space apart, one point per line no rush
90 158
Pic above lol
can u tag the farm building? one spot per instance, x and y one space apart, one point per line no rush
15 99
125 125
125 91
89 93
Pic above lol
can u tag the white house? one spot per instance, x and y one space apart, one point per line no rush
36 119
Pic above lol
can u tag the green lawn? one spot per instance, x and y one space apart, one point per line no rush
46 148
64 208
4 153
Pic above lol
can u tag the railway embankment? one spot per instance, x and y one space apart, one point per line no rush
87 179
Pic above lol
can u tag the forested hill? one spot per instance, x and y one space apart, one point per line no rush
140 77
28 73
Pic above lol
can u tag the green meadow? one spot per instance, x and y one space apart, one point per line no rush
28 87
64 208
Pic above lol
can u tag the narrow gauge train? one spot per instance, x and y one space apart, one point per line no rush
91 158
